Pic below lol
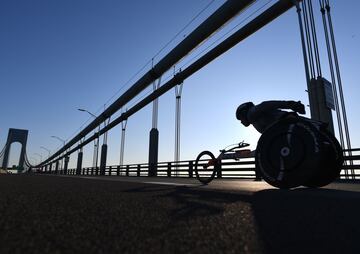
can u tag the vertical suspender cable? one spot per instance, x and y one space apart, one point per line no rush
178 91
308 39
122 145
331 29
331 65
94 153
155 105
306 62
106 122
316 48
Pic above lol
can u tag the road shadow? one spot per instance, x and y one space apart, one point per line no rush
288 221
308 220
193 202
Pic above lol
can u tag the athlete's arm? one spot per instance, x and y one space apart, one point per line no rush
268 106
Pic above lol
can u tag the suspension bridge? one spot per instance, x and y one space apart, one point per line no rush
184 199
324 96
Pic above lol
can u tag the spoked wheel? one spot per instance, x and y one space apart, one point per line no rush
205 167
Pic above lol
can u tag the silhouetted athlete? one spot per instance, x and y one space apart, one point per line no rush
265 114
261 116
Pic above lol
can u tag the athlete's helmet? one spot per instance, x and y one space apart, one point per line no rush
242 110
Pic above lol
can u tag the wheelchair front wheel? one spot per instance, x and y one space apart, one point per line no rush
205 167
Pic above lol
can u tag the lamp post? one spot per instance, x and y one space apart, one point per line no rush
49 152
35 160
39 156
84 110
96 141
63 141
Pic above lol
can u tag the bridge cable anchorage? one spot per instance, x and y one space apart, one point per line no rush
337 67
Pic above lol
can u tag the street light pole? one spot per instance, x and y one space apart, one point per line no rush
35 160
84 110
96 141
49 152
39 156
63 141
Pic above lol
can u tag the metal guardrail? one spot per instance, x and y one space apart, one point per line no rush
244 168
234 169
351 167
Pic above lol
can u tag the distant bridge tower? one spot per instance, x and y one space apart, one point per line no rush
15 135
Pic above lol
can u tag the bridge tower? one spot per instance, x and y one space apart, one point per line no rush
15 135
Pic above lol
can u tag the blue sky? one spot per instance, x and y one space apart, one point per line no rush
57 56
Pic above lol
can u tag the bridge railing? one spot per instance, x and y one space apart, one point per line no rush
234 169
351 167
243 168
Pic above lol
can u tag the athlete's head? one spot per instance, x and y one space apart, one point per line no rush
242 111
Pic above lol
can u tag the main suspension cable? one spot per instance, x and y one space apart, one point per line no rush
144 66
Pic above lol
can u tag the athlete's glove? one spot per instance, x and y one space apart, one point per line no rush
297 106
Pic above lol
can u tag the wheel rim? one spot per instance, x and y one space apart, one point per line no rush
204 170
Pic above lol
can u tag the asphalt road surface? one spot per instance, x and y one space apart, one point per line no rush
64 214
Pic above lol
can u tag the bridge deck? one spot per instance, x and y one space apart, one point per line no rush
48 214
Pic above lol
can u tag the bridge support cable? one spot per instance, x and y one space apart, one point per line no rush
309 70
305 32
96 148
323 95
80 157
213 23
122 145
79 162
314 36
103 156
310 55
332 73
155 111
154 134
254 25
178 92
333 60
56 167
103 159
66 164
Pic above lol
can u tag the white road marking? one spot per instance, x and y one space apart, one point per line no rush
169 183
135 181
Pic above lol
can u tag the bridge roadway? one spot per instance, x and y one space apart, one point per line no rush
68 214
